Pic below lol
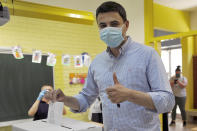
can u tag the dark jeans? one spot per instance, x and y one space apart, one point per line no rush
165 121
180 101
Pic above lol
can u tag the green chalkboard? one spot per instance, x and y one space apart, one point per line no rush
20 83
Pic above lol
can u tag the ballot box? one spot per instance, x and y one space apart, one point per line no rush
67 124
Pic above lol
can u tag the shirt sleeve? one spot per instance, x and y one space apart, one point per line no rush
160 92
88 94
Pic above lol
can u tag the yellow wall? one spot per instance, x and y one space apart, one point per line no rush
187 63
56 37
134 9
178 21
193 20
171 19
148 21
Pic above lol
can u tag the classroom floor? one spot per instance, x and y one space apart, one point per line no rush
179 126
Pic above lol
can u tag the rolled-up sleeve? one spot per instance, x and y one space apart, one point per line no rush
88 94
161 92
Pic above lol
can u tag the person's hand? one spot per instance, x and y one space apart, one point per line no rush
41 95
59 95
117 93
180 83
56 95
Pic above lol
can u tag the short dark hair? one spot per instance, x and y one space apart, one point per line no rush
111 6
178 68
46 85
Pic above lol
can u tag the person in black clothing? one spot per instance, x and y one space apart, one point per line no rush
39 109
96 111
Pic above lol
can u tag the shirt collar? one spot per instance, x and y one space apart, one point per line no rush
122 49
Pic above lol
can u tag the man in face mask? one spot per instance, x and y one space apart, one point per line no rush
178 84
129 78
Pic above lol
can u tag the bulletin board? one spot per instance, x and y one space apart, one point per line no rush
20 84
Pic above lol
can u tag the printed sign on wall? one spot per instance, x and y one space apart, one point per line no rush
66 60
51 60
17 52
78 61
37 56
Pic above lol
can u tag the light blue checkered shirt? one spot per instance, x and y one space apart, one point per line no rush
138 67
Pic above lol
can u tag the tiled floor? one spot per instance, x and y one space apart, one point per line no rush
179 126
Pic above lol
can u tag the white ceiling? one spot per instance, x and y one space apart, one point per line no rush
179 4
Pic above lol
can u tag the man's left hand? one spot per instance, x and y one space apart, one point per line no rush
117 93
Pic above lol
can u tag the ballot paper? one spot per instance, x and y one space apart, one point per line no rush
55 113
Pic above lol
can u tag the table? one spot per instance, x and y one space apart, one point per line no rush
68 124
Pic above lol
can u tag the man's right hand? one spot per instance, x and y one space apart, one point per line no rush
59 95
69 101
56 95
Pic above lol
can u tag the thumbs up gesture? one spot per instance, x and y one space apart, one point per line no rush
115 78
117 93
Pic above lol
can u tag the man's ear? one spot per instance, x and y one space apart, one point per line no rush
127 24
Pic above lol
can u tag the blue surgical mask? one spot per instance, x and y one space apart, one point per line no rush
178 75
112 36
